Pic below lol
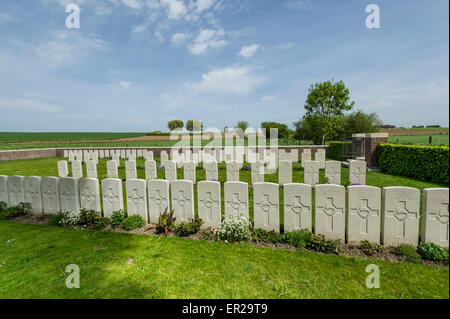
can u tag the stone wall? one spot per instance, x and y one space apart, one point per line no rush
27 154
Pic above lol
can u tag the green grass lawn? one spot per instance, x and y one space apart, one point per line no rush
437 139
33 259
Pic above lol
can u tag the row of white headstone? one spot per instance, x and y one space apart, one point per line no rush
357 171
227 154
394 222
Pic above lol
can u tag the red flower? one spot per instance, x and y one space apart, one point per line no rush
235 243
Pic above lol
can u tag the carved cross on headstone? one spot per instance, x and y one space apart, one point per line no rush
135 197
266 206
158 200
87 195
298 208
441 216
364 212
109 195
236 204
331 210
209 203
401 214
181 201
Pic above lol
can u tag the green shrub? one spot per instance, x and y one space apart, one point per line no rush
207 234
89 217
166 222
186 229
234 229
101 223
407 252
427 163
298 238
117 218
336 150
14 211
55 220
261 235
431 251
133 222
370 248
319 243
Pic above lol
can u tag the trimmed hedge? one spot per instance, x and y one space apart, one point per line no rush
427 163
335 150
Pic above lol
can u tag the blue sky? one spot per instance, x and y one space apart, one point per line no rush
135 64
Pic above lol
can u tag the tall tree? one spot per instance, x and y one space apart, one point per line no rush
326 103
194 125
175 124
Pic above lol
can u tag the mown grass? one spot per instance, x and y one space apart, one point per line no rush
33 259
437 139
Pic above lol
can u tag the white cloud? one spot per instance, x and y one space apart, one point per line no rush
29 105
207 40
179 38
68 46
298 4
133 4
285 46
202 5
124 84
249 51
267 98
5 18
176 9
235 79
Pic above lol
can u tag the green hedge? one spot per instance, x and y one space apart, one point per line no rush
427 163
335 150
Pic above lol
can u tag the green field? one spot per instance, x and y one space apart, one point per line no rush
33 260
437 139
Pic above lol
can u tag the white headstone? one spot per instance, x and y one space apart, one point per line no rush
182 200
116 158
90 194
139 153
306 156
112 195
4 189
91 169
330 211
212 171
16 190
33 194
257 172
50 195
101 154
190 172
63 169
333 172
294 156
137 198
170 168
320 157
311 172
130 170
150 155
123 154
400 216
150 170
236 199
364 214
77 169
297 207
209 203
233 171
71 156
164 158
158 198
435 216
285 172
111 169
107 154
69 194
66 153
357 172
266 208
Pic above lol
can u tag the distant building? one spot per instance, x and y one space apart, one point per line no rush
387 126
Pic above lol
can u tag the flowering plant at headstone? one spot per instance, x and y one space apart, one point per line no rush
234 229
69 219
